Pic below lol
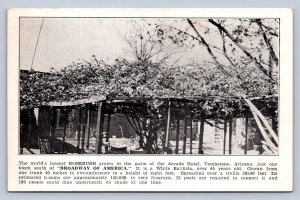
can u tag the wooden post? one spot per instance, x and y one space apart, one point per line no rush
264 134
107 132
53 123
184 135
168 125
83 130
177 135
99 131
225 132
79 129
88 129
148 136
191 137
274 124
201 133
230 135
29 129
65 131
246 135
257 117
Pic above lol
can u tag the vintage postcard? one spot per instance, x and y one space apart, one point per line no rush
150 100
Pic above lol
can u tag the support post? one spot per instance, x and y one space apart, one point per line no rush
274 124
230 135
107 132
83 130
184 135
225 132
100 119
177 135
246 135
65 131
168 125
191 137
201 133
264 134
257 117
53 123
148 136
29 129
88 130
79 129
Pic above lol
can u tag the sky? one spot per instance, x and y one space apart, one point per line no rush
66 40
63 41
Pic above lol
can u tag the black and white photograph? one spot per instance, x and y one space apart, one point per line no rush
150 100
159 86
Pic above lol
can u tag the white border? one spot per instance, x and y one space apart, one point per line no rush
285 182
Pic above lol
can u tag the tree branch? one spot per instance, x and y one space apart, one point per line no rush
267 41
260 67
219 65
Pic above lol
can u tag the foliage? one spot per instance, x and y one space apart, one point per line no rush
149 75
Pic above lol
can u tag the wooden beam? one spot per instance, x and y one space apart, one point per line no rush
264 134
230 135
99 131
88 129
168 125
257 114
201 133
225 132
191 137
246 136
177 135
274 124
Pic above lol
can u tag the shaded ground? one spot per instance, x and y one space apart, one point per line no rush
71 147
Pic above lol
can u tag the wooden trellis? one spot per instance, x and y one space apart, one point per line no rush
182 105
